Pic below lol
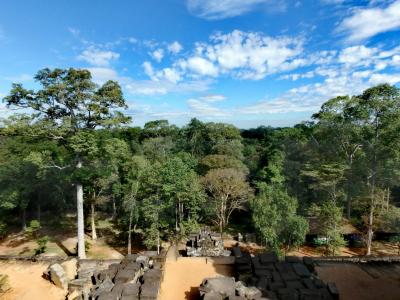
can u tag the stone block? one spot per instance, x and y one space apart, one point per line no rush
143 261
58 276
223 285
293 259
212 296
295 284
290 275
70 267
237 252
124 276
269 257
131 289
149 290
288 294
333 290
301 270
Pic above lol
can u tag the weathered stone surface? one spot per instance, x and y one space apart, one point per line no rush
333 289
288 276
70 267
288 294
149 290
213 296
275 286
125 276
104 287
237 252
296 284
270 257
293 259
308 283
152 274
262 273
276 276
301 270
79 284
131 289
223 285
58 276
143 260
107 296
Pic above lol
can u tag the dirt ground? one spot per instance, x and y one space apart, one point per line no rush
25 279
367 282
63 246
183 275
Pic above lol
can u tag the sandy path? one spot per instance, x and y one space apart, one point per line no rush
26 281
354 283
182 276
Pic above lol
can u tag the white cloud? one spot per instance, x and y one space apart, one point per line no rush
168 74
245 55
368 22
205 109
97 57
200 66
213 98
101 75
384 78
175 47
357 55
158 54
221 9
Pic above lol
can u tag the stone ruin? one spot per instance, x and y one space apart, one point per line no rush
263 276
134 277
206 243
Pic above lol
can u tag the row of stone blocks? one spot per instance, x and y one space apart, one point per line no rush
135 277
284 280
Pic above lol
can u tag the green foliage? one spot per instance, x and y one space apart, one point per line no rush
275 219
329 218
33 228
41 245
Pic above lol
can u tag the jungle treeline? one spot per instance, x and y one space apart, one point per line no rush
71 148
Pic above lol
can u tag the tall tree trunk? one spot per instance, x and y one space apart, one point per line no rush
38 212
24 219
370 231
93 214
158 242
114 214
176 217
130 232
81 226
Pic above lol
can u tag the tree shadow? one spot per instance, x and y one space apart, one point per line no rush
63 248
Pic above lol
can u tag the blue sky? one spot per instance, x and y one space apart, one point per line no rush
246 62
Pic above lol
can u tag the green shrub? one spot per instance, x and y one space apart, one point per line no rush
42 245
33 228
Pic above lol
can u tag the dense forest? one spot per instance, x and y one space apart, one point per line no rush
70 148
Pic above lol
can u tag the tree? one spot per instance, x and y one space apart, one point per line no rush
340 136
134 168
329 217
68 108
377 110
228 191
275 218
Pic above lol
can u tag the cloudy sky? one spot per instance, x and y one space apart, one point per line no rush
247 62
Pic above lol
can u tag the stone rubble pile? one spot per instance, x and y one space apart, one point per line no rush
206 243
135 277
289 279
222 288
